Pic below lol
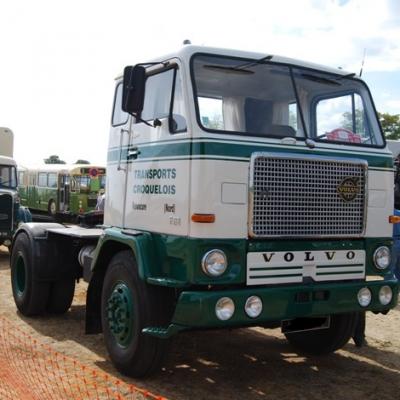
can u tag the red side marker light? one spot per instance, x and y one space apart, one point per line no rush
203 218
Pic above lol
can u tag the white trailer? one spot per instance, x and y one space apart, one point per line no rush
6 142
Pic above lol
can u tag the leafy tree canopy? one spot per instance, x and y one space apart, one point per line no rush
390 125
54 159
82 162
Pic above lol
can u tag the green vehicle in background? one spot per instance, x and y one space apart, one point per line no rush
59 189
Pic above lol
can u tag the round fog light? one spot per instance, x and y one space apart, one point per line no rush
224 308
382 257
253 306
364 297
214 263
385 295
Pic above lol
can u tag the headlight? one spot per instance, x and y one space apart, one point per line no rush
253 306
214 263
382 257
385 295
364 297
224 308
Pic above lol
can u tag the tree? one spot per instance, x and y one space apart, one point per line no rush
54 159
348 122
82 162
390 125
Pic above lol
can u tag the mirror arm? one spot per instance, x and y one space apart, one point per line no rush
142 120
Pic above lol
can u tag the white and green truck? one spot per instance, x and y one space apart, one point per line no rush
243 189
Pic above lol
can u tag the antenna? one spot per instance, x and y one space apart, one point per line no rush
362 63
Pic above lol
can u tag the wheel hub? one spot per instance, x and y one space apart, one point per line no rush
20 277
120 314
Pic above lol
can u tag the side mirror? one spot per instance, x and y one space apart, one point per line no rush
133 89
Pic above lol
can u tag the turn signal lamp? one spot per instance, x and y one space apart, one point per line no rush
203 218
394 219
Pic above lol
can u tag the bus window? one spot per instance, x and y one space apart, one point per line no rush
21 179
42 179
102 179
52 180
32 179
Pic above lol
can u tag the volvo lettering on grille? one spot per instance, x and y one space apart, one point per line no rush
299 196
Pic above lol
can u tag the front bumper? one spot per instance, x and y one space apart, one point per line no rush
196 309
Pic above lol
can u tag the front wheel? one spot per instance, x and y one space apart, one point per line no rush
52 208
30 294
128 305
325 341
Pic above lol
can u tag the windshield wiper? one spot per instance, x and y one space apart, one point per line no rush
234 70
240 68
255 62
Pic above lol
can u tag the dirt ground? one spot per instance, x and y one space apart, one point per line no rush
238 364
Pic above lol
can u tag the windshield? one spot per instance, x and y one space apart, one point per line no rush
8 176
82 183
272 100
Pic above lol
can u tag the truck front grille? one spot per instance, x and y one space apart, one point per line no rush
300 196
6 212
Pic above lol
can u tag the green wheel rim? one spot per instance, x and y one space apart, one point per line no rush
20 277
120 314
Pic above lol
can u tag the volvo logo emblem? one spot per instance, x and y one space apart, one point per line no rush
349 188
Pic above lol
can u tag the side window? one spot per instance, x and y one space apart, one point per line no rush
211 113
119 117
178 123
42 179
21 178
32 179
293 116
158 92
52 180
343 118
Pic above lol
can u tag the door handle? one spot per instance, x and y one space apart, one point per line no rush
122 132
133 153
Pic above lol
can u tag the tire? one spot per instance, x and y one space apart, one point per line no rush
30 296
52 208
128 305
325 341
61 296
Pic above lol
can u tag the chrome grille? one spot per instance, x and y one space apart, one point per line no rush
298 196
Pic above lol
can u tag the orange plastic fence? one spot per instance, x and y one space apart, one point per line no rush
31 370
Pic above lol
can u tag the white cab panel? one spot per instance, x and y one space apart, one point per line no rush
380 204
218 187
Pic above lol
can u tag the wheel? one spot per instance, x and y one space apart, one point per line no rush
52 209
324 341
61 296
30 295
129 305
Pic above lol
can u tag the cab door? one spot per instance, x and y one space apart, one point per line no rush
117 162
159 158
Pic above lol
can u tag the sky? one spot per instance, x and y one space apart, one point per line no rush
58 59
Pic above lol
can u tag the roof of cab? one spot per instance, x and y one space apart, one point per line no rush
4 160
186 52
